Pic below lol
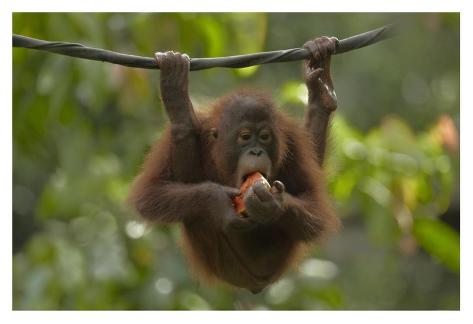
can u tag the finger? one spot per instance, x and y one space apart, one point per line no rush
158 55
278 190
327 87
312 47
323 47
314 78
252 202
335 43
315 74
261 192
180 64
187 60
160 58
278 187
173 60
265 212
260 211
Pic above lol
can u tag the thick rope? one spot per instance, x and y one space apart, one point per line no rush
237 61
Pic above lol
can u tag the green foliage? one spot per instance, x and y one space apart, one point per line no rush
439 240
81 130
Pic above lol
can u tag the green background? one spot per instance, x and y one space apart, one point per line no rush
81 130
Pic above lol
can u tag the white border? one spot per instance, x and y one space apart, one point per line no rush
231 5
239 5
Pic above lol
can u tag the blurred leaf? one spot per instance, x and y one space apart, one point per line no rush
216 40
246 72
293 92
394 134
442 242
332 297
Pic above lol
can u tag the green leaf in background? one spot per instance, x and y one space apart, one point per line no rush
294 92
439 240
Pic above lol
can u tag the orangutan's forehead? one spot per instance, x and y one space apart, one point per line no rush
248 109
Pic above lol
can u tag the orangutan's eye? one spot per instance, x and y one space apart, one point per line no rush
265 136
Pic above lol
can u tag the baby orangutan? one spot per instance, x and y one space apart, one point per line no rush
192 175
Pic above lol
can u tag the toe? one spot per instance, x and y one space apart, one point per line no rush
312 47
